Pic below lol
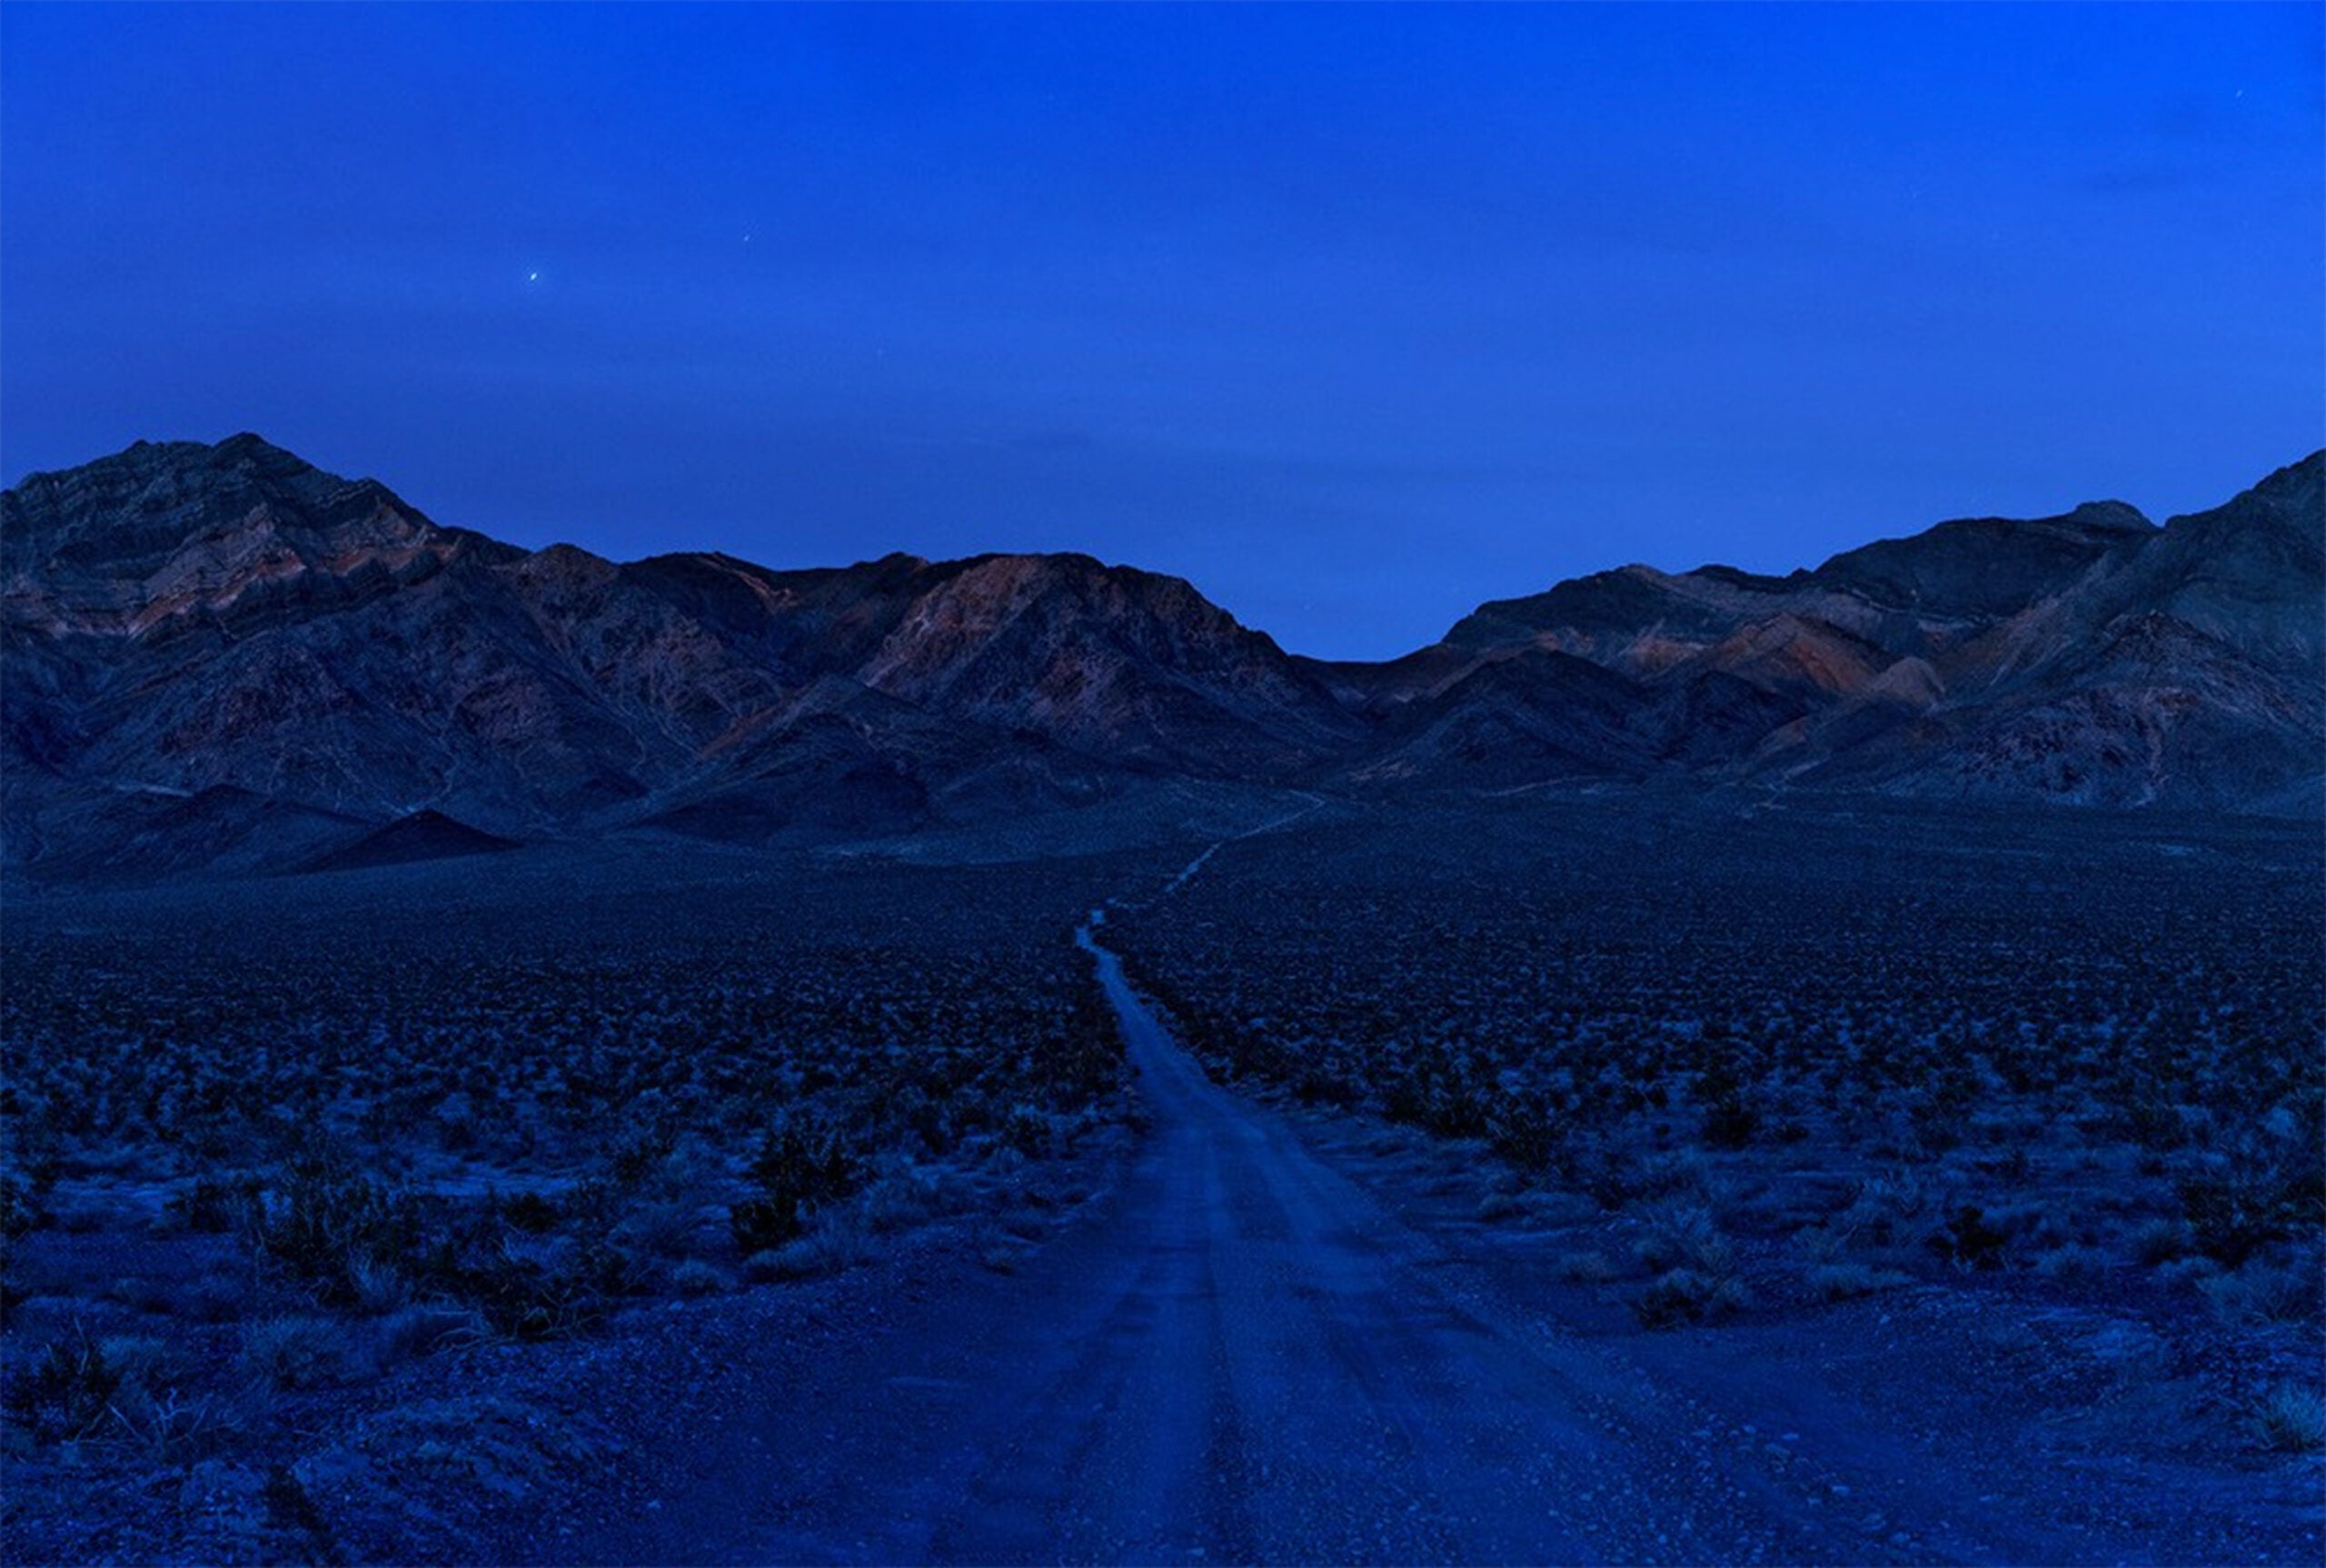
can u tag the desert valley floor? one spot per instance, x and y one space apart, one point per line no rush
1236 1175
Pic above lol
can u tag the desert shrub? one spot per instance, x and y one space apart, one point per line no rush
900 1200
1846 1281
696 1277
1685 1295
1969 1240
13 1291
327 1224
2161 1241
662 1229
172 1428
760 1226
376 1286
538 1291
1617 1175
2266 1292
2291 1417
422 1329
18 1212
839 1242
213 1203
2073 1264
1731 1122
1523 1130
1892 1210
2258 1195
639 1151
143 1361
1029 1132
802 1162
301 1351
1684 1235
69 1389
775 1264
1585 1268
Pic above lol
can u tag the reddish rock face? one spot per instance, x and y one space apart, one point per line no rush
2093 657
205 646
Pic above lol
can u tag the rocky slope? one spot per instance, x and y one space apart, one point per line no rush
2094 657
203 648
221 655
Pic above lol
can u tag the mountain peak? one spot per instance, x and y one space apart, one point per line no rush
164 527
2113 516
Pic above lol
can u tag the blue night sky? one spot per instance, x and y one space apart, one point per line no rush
1355 317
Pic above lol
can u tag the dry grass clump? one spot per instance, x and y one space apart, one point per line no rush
302 1352
2291 1417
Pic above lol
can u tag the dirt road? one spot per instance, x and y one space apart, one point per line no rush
1247 1356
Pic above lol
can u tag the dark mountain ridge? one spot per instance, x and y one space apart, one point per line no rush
207 648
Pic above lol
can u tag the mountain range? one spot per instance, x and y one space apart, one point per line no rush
221 656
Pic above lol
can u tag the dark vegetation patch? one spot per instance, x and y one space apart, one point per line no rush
276 1154
270 1145
1806 1056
